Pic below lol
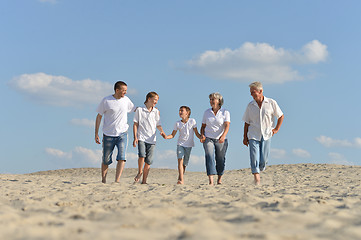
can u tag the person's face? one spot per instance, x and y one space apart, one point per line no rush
122 91
214 102
183 113
256 94
153 101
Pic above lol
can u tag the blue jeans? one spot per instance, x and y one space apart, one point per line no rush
215 156
108 146
259 152
146 151
184 153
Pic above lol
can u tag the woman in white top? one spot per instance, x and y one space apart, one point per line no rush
215 126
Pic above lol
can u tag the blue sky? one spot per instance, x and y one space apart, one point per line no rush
60 57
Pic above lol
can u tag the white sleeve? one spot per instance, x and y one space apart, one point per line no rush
136 115
100 108
227 116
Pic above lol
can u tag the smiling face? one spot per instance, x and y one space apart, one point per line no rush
120 92
257 94
214 102
153 101
183 113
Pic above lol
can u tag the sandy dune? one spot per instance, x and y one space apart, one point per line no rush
302 201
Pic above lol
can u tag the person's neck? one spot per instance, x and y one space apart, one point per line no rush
260 101
149 107
216 109
185 119
116 96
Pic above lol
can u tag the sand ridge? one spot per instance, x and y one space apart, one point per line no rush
300 201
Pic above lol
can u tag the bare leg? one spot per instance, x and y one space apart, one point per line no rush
145 173
104 173
120 167
140 166
219 181
257 178
180 171
210 177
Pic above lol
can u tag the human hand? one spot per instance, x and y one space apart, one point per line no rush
245 141
221 139
135 142
203 139
274 131
97 139
163 135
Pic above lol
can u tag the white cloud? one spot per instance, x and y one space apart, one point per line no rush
83 122
257 62
278 153
337 158
58 153
301 153
79 157
60 90
330 142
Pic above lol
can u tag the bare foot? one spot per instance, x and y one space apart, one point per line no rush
180 182
144 183
136 179
104 180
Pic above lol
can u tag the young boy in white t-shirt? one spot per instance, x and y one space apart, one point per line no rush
187 127
146 123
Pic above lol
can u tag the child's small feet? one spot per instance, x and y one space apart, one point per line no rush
104 180
180 182
136 178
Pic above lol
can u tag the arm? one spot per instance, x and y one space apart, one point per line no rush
278 126
162 133
224 134
245 138
135 131
171 135
203 127
97 124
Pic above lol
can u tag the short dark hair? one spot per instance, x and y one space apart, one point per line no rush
188 109
119 84
150 95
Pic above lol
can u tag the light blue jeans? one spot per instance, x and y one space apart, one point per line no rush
146 151
108 146
259 152
215 153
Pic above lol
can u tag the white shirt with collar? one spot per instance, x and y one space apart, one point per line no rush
147 124
215 123
261 120
186 132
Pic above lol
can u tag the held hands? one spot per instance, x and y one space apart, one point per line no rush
163 135
202 139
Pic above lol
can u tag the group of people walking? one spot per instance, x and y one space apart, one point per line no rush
259 127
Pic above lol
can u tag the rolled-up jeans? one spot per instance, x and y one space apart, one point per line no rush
259 152
215 154
108 146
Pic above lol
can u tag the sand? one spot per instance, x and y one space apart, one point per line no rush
302 201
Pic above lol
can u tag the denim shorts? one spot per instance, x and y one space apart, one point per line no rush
184 153
108 146
146 151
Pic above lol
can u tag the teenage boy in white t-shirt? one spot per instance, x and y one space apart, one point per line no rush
115 109
146 122
187 127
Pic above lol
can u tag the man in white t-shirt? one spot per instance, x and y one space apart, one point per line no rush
259 127
115 109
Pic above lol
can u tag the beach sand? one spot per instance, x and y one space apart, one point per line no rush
301 201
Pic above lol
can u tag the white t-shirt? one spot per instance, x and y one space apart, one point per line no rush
115 113
186 132
215 123
147 124
261 120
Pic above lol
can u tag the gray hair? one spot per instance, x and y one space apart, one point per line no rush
256 85
217 96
